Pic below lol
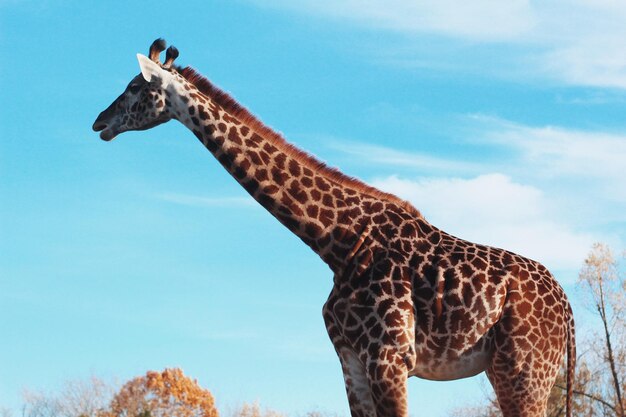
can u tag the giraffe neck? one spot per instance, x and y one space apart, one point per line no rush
309 199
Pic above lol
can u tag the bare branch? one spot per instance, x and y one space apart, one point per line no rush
590 396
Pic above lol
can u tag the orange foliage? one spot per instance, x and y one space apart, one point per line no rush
159 394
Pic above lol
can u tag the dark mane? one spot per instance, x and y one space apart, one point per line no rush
236 110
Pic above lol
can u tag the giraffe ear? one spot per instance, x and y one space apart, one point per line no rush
152 71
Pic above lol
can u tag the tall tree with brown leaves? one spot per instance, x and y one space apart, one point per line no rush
163 394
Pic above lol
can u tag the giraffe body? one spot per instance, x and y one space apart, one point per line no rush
408 299
416 301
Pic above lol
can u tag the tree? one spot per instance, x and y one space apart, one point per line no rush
254 410
606 288
37 404
584 402
87 398
163 394
491 409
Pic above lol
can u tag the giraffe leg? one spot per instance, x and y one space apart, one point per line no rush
357 384
388 383
520 395
523 381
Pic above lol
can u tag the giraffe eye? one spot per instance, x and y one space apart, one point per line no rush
134 88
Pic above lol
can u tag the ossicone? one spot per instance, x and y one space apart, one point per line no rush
156 48
170 55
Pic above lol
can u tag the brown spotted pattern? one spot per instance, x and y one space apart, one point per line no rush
408 299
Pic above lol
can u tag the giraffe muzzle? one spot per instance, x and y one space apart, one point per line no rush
106 131
106 122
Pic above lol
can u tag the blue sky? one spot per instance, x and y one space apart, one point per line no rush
503 123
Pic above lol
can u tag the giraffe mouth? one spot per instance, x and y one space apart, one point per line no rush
106 133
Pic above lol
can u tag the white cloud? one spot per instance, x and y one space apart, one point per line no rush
584 41
578 42
492 209
596 61
552 151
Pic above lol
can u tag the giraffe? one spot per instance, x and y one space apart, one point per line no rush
408 299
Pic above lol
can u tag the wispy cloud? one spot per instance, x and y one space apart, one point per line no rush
480 19
555 151
576 42
198 201
394 157
531 151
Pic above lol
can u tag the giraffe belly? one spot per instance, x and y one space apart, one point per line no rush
451 366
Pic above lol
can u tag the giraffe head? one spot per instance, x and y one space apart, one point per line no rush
144 103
